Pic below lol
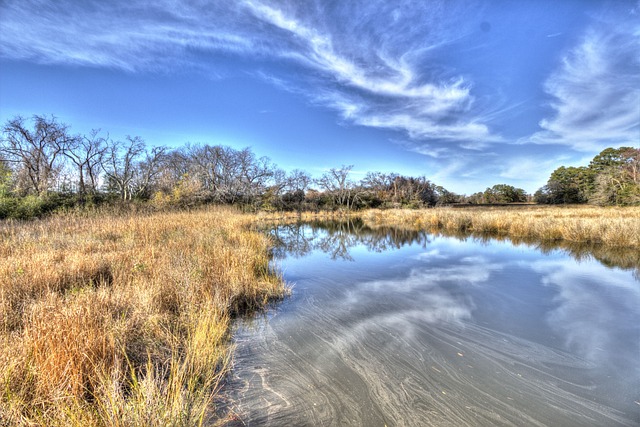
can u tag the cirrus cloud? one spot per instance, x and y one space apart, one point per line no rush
595 92
371 62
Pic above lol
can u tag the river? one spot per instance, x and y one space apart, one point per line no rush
396 328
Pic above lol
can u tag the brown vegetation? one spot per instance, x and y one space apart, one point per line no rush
123 320
612 226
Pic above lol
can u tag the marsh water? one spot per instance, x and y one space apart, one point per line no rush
396 328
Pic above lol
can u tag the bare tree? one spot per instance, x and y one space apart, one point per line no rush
298 180
381 185
86 153
337 184
255 174
120 162
295 186
209 165
175 168
146 171
36 152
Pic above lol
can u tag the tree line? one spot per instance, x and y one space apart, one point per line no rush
611 178
44 166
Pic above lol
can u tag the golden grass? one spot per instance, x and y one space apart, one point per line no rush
124 320
612 226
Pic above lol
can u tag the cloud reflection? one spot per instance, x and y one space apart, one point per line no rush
434 296
594 311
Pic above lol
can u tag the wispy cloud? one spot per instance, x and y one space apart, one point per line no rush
529 168
383 89
596 91
125 35
369 61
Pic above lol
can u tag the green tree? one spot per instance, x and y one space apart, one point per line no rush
566 185
503 193
445 196
5 178
612 178
608 158
616 177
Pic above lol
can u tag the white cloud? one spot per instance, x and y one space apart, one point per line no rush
595 92
367 61
530 168
428 150
126 35
430 255
389 93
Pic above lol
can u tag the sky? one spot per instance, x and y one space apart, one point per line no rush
467 93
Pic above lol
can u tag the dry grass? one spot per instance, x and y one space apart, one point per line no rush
612 226
123 320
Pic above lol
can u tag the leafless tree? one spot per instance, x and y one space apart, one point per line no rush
229 175
86 153
255 174
381 185
336 183
208 164
36 152
174 169
147 170
120 162
298 180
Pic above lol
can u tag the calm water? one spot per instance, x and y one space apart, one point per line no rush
409 329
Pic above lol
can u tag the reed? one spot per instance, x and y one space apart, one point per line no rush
612 226
123 320
111 319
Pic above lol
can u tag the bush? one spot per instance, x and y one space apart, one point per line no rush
7 206
31 206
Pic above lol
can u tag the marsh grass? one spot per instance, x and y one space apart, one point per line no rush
611 226
123 320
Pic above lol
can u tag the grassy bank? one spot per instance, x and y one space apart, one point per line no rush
612 226
123 320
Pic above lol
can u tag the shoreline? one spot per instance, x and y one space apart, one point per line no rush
114 319
611 226
125 319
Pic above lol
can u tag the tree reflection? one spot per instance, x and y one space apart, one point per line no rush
337 238
609 256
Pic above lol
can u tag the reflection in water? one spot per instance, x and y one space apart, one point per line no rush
336 238
429 330
592 316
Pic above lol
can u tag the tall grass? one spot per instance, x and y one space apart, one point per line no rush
123 320
612 226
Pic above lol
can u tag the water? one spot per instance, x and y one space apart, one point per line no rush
408 329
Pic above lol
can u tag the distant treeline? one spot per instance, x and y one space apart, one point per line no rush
44 167
612 178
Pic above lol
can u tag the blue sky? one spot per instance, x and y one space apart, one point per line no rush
467 93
